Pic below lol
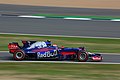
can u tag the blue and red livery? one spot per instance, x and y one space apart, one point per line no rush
45 50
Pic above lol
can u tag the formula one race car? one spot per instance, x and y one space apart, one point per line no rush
45 50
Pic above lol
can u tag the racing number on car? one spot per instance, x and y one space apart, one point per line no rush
46 54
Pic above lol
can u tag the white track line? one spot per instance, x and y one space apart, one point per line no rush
66 62
28 16
85 19
60 35
67 18
116 20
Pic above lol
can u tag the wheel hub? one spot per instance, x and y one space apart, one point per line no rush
19 55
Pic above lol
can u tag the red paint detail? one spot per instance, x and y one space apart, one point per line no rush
13 46
68 53
62 47
24 42
42 50
96 58
12 50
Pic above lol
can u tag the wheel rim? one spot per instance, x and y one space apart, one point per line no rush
19 55
82 56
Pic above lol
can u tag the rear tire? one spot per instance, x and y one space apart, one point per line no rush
82 56
19 55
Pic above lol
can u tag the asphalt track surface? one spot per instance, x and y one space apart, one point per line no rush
12 24
60 27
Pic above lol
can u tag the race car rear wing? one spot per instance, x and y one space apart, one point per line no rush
13 47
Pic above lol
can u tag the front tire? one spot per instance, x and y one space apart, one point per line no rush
19 55
82 56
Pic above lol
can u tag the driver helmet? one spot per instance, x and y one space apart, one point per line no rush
48 42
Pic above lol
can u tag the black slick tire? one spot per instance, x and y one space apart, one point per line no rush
82 56
19 55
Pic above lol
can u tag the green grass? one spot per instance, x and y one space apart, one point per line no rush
60 71
66 16
92 44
